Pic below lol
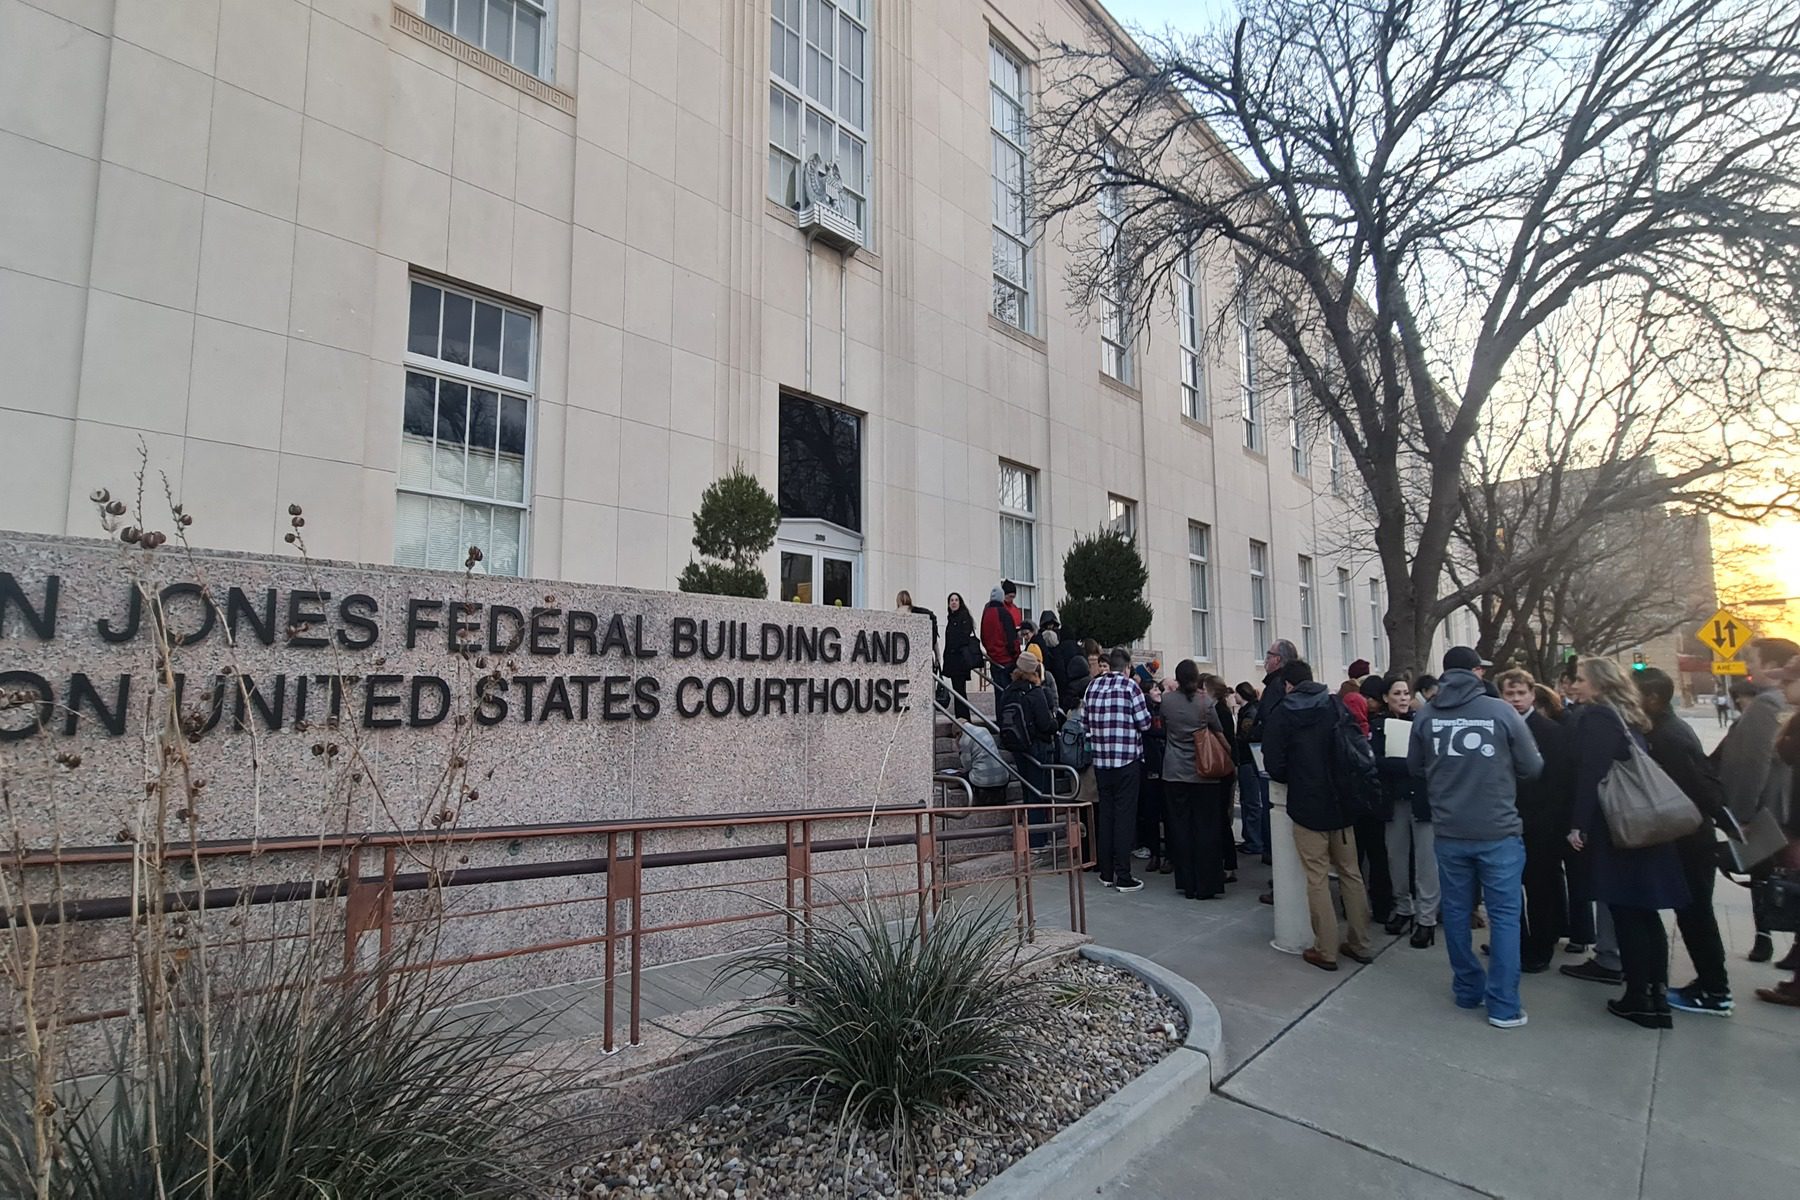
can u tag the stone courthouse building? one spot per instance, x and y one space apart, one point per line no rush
531 273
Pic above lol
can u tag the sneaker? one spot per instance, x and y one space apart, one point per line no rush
1106 881
1593 972
1577 947
1141 852
1691 999
1128 884
1508 1022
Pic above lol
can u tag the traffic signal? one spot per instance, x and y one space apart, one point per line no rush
1638 661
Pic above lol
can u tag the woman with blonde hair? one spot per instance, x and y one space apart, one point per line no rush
1635 885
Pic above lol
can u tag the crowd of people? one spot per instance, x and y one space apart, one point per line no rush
1464 800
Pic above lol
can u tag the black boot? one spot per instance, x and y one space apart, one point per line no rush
1762 949
1642 1005
1424 936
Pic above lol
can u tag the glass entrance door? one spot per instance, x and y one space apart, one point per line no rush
813 575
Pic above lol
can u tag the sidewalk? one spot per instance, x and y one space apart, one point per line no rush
1370 1082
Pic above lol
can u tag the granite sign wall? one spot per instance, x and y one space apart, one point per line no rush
314 691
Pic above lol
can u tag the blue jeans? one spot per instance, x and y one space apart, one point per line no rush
1253 805
1497 868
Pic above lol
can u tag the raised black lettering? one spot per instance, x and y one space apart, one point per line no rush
615 698
901 644
581 626
718 704
901 687
417 715
41 617
421 618
24 692
209 613
556 699
582 684
528 685
639 646
544 639
681 692
649 698
304 610
238 607
843 695
616 638
831 645
490 700
682 644
376 702
134 613
465 617
83 693
251 696
805 646
357 611
504 612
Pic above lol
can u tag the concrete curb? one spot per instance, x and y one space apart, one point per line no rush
1082 1159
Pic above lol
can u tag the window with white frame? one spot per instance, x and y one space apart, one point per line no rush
1200 588
1018 531
515 31
1115 302
1375 626
1346 621
1250 403
1309 645
1334 441
1121 515
1196 405
465 431
1012 245
1259 594
819 97
1298 451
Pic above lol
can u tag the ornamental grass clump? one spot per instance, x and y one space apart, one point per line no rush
898 1024
295 1089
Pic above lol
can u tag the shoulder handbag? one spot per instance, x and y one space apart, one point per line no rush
1642 805
1212 755
1778 901
1751 844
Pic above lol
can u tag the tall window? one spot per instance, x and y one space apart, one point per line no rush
1335 442
819 464
465 431
1249 402
1200 588
1259 594
1195 403
1012 246
819 96
512 30
1375 627
1298 450
1115 316
1018 531
1309 645
1346 632
1121 515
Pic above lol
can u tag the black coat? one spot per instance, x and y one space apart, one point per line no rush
1547 803
1039 716
1647 878
1675 747
1296 746
1401 790
959 641
1068 667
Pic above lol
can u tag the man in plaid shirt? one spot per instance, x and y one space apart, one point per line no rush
1116 717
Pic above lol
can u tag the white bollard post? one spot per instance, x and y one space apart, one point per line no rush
1293 921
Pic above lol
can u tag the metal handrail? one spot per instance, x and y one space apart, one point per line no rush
1052 769
945 780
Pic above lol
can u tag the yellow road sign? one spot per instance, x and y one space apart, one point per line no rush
1729 666
1725 633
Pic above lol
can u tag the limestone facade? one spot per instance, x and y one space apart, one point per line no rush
218 211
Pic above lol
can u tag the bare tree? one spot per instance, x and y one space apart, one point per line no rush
1414 190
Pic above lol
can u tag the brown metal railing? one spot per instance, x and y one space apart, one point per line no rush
631 871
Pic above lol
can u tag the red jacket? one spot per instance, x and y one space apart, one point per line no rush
1358 704
1000 651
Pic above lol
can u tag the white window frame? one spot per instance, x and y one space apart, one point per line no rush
1309 644
1017 501
1121 515
1196 403
1259 594
1346 619
1249 402
1298 450
1014 301
1375 627
788 154
1200 588
1116 357
505 386
445 14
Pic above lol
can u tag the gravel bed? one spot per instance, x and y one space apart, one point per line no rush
1105 1028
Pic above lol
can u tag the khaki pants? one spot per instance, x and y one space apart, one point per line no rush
1319 854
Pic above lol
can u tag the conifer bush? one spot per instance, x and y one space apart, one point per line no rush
1103 581
734 528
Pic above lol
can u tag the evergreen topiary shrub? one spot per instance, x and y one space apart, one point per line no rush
734 528
1103 583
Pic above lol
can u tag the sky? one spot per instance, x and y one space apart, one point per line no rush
1189 16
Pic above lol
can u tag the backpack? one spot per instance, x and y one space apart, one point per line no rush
1073 749
1354 779
1014 722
